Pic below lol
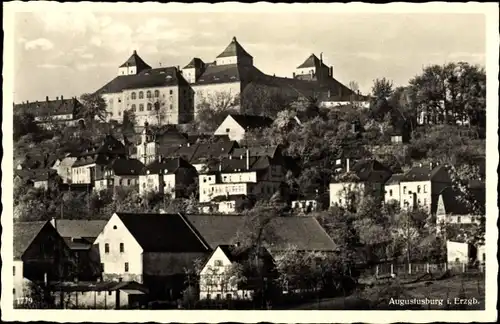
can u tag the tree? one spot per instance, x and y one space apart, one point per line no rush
213 109
93 105
382 90
264 100
129 121
24 124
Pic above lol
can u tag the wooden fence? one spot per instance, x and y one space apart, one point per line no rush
386 269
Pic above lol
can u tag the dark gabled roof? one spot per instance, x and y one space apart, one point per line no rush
197 153
24 234
228 73
256 163
163 232
237 254
38 161
303 232
171 165
126 166
455 204
395 179
423 173
371 171
99 159
44 174
269 151
195 138
234 49
73 228
150 78
196 63
311 61
49 107
251 121
137 61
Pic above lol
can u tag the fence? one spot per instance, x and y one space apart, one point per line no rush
386 269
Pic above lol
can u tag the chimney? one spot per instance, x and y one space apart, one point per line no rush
329 93
331 71
62 98
47 98
53 222
248 159
347 167
220 166
321 58
135 52
294 75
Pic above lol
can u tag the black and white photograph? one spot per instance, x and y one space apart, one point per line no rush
318 160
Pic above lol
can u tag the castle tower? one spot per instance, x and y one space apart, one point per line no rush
234 54
193 70
133 65
313 69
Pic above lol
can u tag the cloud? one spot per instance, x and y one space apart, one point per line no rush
68 22
96 41
87 56
51 66
41 43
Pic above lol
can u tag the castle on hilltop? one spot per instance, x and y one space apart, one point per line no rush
171 95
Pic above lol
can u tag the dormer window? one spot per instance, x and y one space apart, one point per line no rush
141 95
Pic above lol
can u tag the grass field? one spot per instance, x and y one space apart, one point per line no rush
447 289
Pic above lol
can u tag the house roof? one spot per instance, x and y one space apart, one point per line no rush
149 78
236 254
311 61
171 165
303 232
226 73
454 204
371 171
49 107
196 63
395 179
126 166
76 228
38 161
251 121
163 232
234 49
24 234
44 175
137 61
198 152
422 173
99 286
269 151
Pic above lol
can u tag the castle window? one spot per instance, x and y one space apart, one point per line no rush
133 96
157 93
141 95
171 107
150 106
141 107
418 189
148 94
134 108
390 192
171 92
126 266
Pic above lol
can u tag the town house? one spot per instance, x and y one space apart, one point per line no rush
392 188
121 172
365 177
421 185
153 249
63 167
40 256
173 176
246 175
235 126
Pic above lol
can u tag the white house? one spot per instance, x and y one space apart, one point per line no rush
222 276
420 185
453 209
235 126
63 168
392 188
151 249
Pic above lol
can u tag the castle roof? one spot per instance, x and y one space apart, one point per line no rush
195 63
234 49
48 107
228 73
137 61
311 61
150 78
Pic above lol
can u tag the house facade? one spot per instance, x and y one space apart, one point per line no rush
121 172
235 126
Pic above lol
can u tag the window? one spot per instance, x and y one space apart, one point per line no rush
119 113
404 189
227 130
148 94
98 293
425 201
150 106
218 296
14 291
418 189
128 182
390 192
209 296
133 96
141 95
102 267
106 248
141 107
134 108
157 93
110 293
171 92
14 269
171 107
122 247
126 266
459 219
218 263
229 296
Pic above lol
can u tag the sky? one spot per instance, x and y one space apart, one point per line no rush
69 53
